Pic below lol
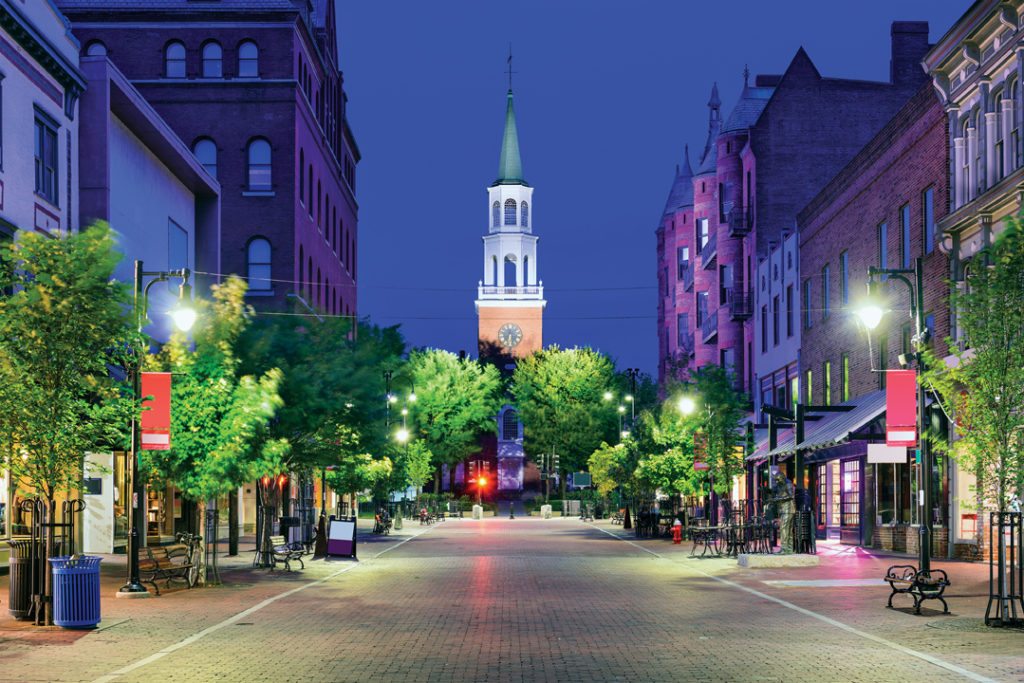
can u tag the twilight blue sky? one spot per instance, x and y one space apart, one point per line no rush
607 94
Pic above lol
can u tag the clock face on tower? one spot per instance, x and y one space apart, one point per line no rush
510 335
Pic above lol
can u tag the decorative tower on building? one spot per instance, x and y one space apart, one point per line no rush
510 298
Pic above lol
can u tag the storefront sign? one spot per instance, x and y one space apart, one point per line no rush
901 408
880 453
156 411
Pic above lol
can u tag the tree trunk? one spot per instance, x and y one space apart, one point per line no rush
233 524
200 518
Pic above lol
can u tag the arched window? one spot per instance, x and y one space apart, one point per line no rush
248 60
95 49
258 264
319 206
309 191
213 60
510 271
319 289
494 271
525 217
496 214
526 269
259 165
302 263
510 425
302 176
510 212
174 60
206 152
309 279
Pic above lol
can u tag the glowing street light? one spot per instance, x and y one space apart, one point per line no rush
608 396
184 314
402 435
870 313
687 405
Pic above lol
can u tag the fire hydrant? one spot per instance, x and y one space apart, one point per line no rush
677 532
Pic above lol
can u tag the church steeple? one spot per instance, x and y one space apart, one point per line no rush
510 165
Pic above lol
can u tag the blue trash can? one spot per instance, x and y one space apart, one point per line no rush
76 591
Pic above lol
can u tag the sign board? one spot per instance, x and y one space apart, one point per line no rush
901 408
341 537
581 479
880 453
156 411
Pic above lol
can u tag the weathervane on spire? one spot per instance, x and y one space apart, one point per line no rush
510 71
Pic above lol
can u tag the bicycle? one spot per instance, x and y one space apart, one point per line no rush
193 546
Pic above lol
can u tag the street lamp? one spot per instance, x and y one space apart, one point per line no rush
184 316
687 405
870 313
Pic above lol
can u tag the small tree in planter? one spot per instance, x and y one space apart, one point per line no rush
64 323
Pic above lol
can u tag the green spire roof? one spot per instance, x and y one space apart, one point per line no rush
510 165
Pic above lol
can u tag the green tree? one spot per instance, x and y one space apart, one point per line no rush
220 418
612 467
985 386
64 323
416 465
559 394
718 415
456 403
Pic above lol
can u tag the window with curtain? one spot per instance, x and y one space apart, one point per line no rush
174 60
206 152
248 60
510 212
213 60
258 264
259 165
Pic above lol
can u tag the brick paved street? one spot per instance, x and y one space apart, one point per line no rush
522 600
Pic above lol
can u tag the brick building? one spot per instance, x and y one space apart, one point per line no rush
783 140
881 210
253 87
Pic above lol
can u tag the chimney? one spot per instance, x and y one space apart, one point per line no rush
909 45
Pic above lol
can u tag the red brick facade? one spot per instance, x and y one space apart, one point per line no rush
894 170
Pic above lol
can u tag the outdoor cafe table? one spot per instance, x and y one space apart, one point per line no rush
707 537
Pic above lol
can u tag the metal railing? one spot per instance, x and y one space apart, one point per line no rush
685 345
489 292
739 223
709 250
709 327
687 278
741 305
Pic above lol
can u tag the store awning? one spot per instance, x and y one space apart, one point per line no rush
834 428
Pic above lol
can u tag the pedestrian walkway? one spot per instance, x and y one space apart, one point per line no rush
525 600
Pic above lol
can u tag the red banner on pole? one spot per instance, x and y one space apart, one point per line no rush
700 451
901 408
156 411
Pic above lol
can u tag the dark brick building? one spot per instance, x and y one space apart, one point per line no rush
881 210
253 87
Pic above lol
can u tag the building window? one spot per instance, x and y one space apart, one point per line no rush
846 377
929 323
764 329
682 329
683 260
807 304
928 201
998 143
174 60
495 214
789 310
905 236
809 388
259 165
703 231
46 159
248 60
510 425
883 245
258 264
206 152
844 265
826 376
213 60
825 274
775 320
525 218
510 212
96 49
702 307
302 176
309 191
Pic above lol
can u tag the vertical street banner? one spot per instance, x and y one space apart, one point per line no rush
700 451
156 411
901 408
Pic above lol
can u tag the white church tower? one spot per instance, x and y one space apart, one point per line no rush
510 298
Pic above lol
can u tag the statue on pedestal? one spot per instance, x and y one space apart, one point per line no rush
783 495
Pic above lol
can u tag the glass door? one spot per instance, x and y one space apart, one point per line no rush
850 527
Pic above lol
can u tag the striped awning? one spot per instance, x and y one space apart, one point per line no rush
833 428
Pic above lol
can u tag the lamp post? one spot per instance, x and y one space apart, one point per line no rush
871 313
688 406
184 316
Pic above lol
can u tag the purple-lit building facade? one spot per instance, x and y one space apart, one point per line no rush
253 88
785 137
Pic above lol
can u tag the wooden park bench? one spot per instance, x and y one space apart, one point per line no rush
285 552
920 585
163 563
